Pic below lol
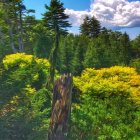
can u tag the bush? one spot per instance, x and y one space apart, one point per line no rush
110 105
25 99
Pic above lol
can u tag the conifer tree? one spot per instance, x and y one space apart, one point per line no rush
56 20
135 47
15 13
84 28
126 49
91 27
94 27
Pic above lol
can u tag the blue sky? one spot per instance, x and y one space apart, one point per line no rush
38 5
107 11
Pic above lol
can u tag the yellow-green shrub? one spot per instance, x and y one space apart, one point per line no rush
116 81
24 97
22 59
109 105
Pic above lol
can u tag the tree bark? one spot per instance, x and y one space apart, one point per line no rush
61 108
53 55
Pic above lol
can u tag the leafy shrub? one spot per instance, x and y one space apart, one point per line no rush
110 105
25 99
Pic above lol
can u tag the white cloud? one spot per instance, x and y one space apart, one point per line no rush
111 13
76 17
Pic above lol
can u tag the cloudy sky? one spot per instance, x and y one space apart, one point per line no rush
121 15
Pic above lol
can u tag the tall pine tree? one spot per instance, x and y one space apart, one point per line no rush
56 20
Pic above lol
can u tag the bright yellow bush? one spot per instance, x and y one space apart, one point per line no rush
23 73
25 98
116 80
23 60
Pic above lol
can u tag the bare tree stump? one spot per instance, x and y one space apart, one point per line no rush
61 108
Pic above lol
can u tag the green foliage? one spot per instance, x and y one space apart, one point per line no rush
84 28
55 17
136 47
43 40
136 64
77 52
109 49
106 101
71 53
64 64
24 98
109 107
16 23
91 27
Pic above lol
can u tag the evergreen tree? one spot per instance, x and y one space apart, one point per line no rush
14 16
114 39
95 27
84 28
81 43
126 49
66 52
56 20
6 17
136 47
43 40
21 14
4 48
91 57
91 27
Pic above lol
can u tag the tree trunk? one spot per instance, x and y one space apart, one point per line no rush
61 108
53 55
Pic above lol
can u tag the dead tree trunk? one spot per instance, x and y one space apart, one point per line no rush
61 108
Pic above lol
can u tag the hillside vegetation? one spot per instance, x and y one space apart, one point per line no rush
106 103
103 63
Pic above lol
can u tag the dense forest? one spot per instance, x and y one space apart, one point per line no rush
105 65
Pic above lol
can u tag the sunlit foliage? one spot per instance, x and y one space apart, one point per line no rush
24 97
109 105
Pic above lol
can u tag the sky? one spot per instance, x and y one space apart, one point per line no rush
120 15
